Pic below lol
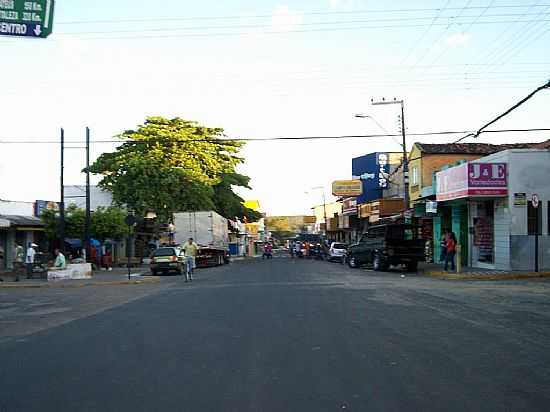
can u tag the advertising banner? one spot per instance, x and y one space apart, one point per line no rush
472 179
347 188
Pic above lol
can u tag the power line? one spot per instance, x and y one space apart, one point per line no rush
423 35
280 32
507 112
319 23
270 15
299 138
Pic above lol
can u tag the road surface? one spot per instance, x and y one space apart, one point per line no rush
279 335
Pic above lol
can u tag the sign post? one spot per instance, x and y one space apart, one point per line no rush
26 18
535 202
130 221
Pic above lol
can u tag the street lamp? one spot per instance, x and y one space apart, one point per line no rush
404 145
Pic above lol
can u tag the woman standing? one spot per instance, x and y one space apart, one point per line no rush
451 251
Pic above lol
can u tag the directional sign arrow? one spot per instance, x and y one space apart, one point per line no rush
26 18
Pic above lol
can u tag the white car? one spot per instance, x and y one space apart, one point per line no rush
337 252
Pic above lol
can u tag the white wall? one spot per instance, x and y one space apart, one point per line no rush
8 207
98 197
529 173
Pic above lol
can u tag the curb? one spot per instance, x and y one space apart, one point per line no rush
145 280
504 276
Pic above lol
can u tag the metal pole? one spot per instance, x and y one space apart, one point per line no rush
405 160
537 241
88 215
62 202
129 247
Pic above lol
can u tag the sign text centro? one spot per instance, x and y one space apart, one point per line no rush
347 188
25 18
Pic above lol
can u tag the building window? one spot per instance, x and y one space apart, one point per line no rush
414 176
532 219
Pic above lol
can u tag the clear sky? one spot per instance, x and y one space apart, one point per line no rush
269 69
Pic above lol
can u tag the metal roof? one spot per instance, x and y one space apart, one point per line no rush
16 220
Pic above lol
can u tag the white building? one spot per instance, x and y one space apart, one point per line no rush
501 219
18 224
76 195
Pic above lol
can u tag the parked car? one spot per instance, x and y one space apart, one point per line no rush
385 245
168 259
337 252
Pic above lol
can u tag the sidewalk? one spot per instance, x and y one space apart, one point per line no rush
469 273
118 276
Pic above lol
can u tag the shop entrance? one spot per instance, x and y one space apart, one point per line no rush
483 242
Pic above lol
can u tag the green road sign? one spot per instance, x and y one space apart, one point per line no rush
26 18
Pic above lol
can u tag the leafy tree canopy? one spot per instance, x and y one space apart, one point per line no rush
170 165
228 203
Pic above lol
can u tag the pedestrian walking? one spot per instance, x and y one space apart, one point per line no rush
443 247
291 249
451 251
190 248
29 259
18 261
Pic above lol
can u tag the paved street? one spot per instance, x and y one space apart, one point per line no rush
279 335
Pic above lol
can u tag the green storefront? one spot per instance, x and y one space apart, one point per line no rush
452 216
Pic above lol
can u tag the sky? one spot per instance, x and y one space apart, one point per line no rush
262 69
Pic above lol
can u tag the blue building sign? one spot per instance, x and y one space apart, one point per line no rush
373 169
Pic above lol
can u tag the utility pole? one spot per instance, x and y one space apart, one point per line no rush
62 202
403 145
88 216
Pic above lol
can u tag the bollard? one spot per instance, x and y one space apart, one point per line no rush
458 258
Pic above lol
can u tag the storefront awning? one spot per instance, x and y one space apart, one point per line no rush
16 220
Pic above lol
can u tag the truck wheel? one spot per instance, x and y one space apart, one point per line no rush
378 264
412 266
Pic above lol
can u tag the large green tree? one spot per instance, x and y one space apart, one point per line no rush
228 203
169 165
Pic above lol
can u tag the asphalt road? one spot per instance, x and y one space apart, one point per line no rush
291 335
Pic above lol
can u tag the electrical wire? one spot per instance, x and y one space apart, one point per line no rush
270 15
507 112
299 138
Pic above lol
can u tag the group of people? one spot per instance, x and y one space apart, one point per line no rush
448 249
306 249
25 260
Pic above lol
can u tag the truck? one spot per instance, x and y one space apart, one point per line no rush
209 230
385 245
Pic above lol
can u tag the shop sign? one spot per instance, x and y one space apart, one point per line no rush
42 205
309 220
431 207
383 162
535 200
350 206
520 199
472 179
347 187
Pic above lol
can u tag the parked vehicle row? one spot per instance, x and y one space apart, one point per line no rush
388 245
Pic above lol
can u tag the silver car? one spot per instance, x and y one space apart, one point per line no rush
337 252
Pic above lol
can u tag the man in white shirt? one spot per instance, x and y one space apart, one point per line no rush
29 260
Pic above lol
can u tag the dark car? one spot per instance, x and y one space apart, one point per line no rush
385 245
168 259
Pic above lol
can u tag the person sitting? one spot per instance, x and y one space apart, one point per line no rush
60 262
